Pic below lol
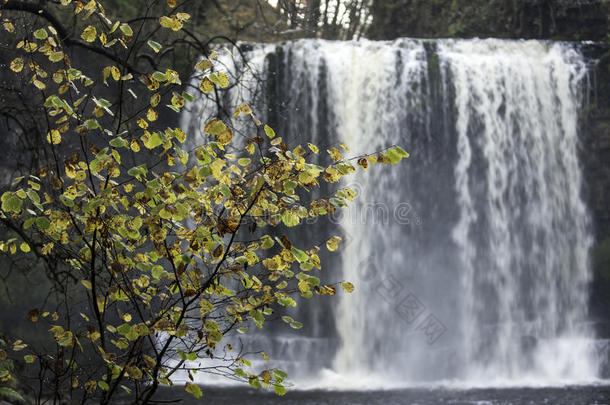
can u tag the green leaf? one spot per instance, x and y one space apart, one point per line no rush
290 219
154 45
93 204
160 77
41 34
279 375
91 124
30 358
157 271
267 242
65 339
299 255
118 142
124 329
394 156
269 131
254 382
193 389
188 97
43 223
34 197
137 171
279 389
153 141
56 56
66 201
11 203
28 223
127 29
244 161
401 151
10 393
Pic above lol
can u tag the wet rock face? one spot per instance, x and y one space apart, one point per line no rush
539 19
595 140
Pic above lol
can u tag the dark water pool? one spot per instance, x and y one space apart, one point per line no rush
589 395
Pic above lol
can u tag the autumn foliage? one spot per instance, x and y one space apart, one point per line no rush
167 242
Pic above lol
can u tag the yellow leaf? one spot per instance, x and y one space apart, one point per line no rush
223 80
347 286
56 56
177 100
313 148
335 154
135 145
89 34
152 115
242 109
116 73
39 85
270 132
126 29
172 23
25 248
206 85
225 136
54 137
333 243
105 73
171 3
155 99
142 123
8 26
193 390
203 65
30 47
17 65
90 6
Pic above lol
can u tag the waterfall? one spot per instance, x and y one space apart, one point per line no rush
470 259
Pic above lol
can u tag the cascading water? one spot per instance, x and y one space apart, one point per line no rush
470 259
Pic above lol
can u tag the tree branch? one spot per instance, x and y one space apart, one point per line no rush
62 33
